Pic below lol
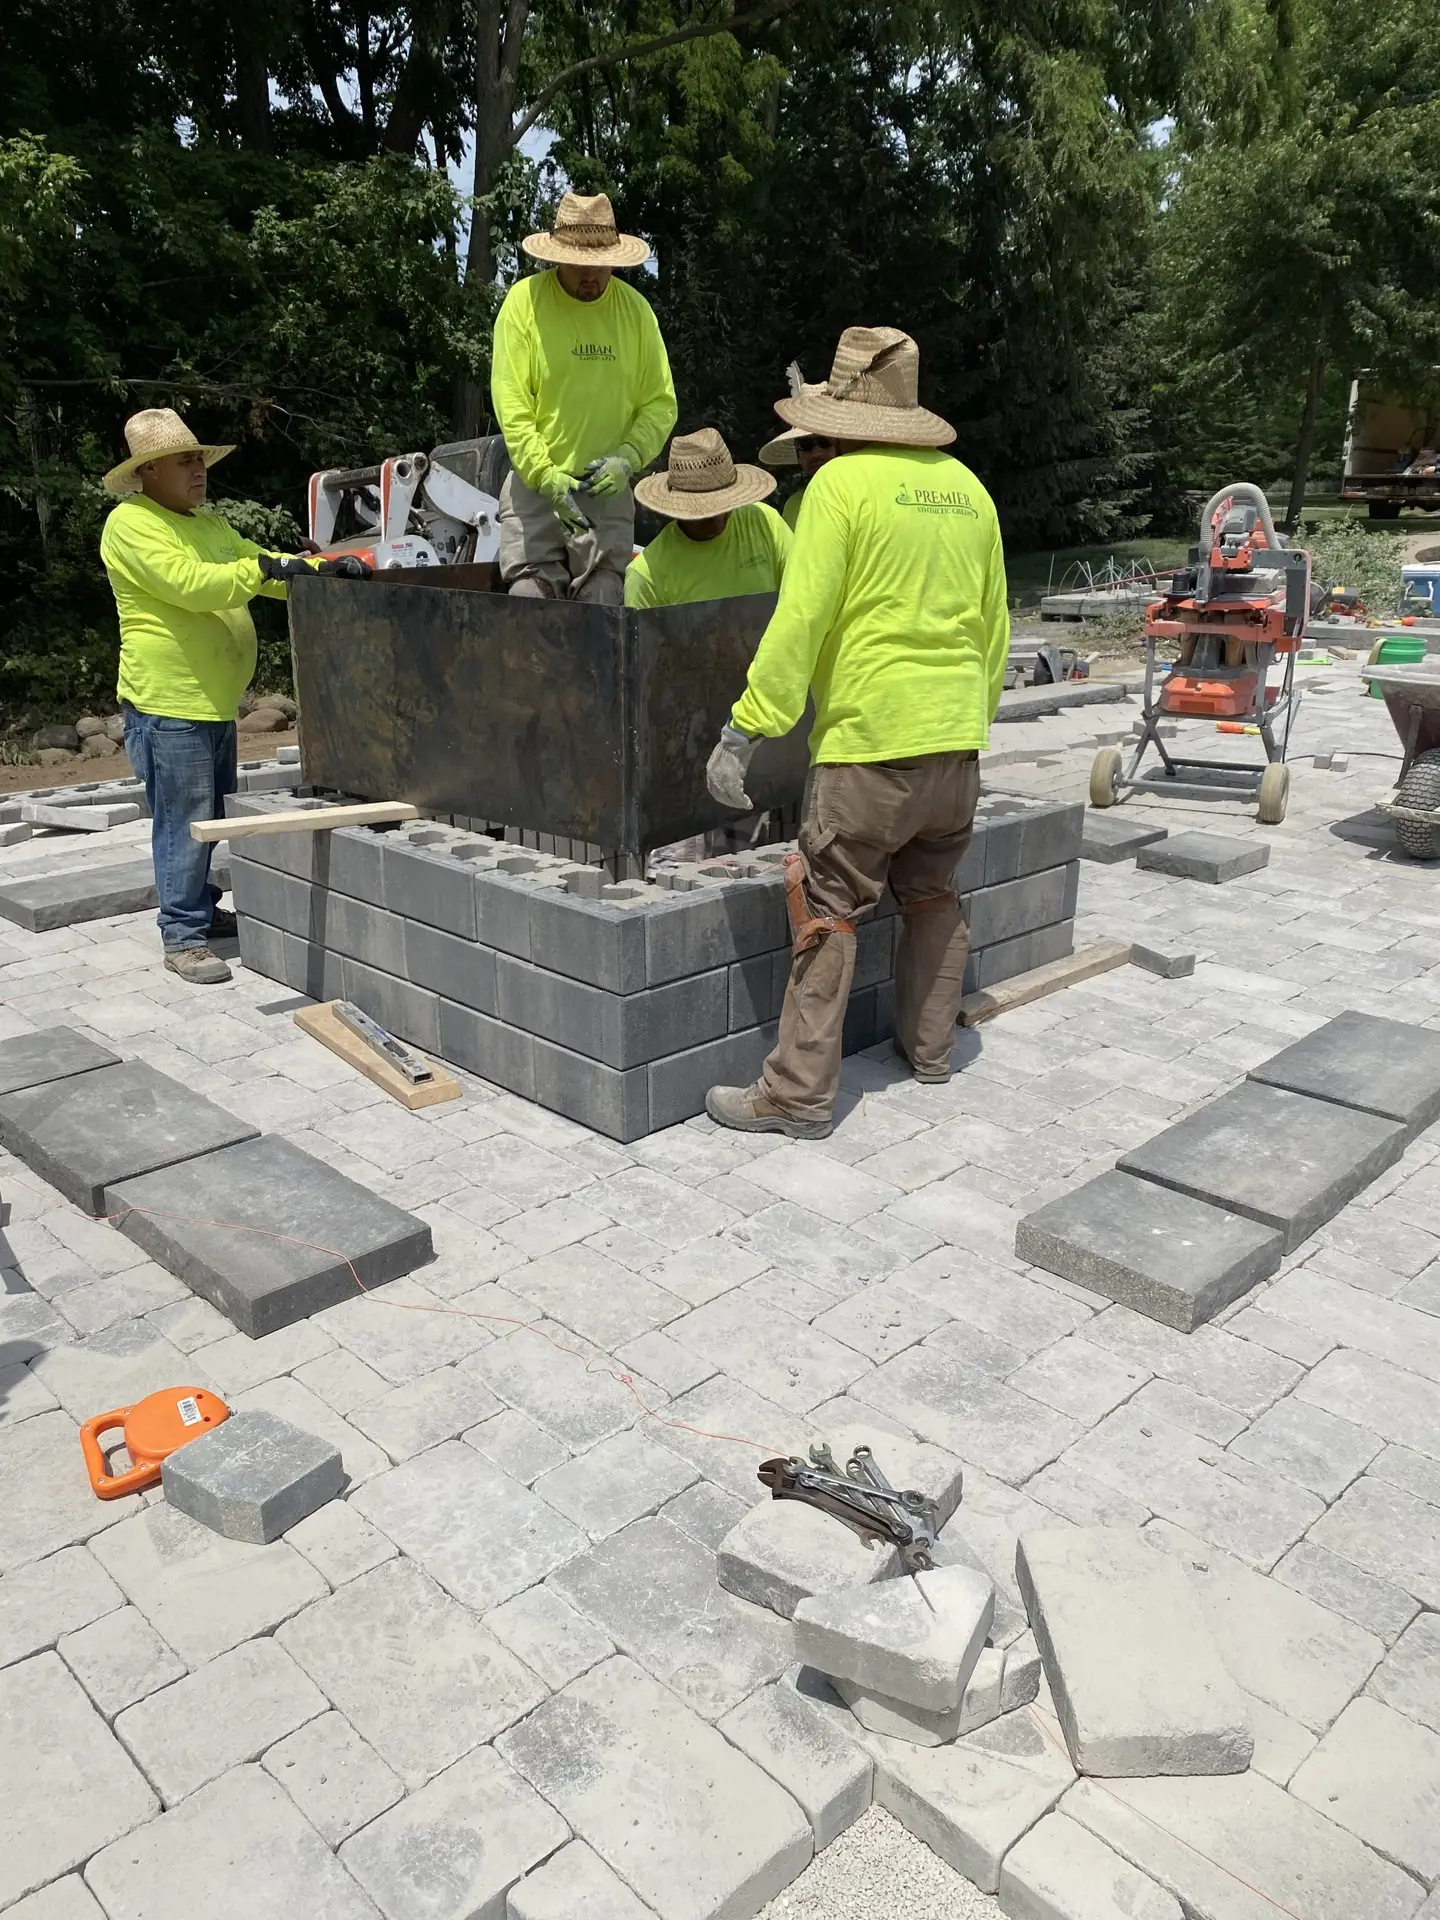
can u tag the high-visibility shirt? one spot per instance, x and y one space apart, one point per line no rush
182 584
748 557
791 508
574 380
893 610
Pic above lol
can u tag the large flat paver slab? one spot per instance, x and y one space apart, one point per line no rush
1280 1158
1136 1678
66 1784
684 1818
1387 1067
1111 837
86 1133
1212 857
303 1237
55 1053
53 900
239 1848
1174 1258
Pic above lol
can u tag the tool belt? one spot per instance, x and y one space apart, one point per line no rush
807 928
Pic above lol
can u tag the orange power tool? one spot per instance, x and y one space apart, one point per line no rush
153 1428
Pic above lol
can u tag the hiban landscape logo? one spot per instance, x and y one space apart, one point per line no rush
932 500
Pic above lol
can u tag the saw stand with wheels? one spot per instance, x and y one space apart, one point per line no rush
1237 609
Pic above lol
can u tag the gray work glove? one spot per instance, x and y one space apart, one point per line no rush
726 769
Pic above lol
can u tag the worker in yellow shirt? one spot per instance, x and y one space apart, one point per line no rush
798 448
722 541
182 579
893 612
582 391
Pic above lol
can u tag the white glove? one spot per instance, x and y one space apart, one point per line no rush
726 769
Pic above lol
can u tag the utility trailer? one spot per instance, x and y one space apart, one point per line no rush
1392 447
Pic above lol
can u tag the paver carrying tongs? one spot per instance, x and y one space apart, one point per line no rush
862 1497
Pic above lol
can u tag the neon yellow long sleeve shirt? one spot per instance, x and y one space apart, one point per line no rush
748 557
574 380
182 584
893 609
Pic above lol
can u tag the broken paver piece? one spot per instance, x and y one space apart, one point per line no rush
1060 1871
325 1238
1387 1067
783 1552
55 1053
1169 1256
1212 857
84 1133
1138 1684
253 1477
1110 837
1280 1158
915 1640
926 1726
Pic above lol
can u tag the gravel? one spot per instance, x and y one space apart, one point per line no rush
878 1871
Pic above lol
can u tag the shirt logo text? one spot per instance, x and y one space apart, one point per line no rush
592 350
931 500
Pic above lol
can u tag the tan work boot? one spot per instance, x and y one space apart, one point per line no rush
749 1111
197 965
926 1079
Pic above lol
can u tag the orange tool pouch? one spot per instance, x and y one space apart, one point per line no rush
935 903
807 928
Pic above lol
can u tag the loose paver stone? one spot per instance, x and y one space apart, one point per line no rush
1377 1773
54 1053
253 1477
784 1552
1059 1871
1389 1067
337 1781
916 1640
828 1773
1212 857
980 1703
1111 837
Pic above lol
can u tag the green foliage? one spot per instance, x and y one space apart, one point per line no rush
1349 553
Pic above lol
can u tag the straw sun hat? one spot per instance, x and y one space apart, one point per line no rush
702 480
150 436
872 394
780 452
585 236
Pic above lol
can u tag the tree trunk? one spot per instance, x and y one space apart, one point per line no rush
1305 445
252 95
499 35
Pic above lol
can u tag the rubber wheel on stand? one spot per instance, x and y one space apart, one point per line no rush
1274 794
1420 789
1105 777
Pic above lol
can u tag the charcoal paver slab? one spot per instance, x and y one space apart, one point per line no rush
1211 857
1110 838
85 1133
55 1053
1386 1067
53 900
319 1225
1165 1254
1277 1157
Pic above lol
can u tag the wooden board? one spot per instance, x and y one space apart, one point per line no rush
366 813
320 1023
1105 954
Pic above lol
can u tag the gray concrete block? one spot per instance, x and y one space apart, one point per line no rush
874 953
757 990
1059 1871
830 1775
1020 906
1387 1067
611 1100
428 885
1111 837
79 819
1138 1685
894 1719
694 933
358 931
970 873
458 970
1212 857
13 832
278 898
488 1047
344 859
678 1085
409 1012
290 960
1006 958
502 913
1170 963
589 940
914 1640
1004 814
574 1882
85 1133
684 1818
68 899
1051 832
622 1030
1174 1258
324 1235
784 1552
54 1053
252 1477
1277 1157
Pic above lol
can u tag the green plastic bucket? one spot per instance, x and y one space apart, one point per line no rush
1396 650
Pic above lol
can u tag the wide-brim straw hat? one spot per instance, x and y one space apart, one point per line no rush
150 436
585 236
780 452
702 480
872 394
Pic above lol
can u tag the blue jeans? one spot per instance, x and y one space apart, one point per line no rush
188 767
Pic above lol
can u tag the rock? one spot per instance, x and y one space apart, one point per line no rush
61 738
87 725
262 720
913 1640
54 756
97 746
280 701
115 728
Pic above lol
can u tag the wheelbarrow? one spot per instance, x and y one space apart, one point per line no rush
1412 699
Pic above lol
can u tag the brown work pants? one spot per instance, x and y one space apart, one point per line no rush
542 560
908 822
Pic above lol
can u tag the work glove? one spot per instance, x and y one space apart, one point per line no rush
560 488
283 566
726 769
608 476
349 566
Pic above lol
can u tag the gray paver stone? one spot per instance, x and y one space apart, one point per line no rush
54 1053
688 1821
242 1843
119 1659
47 1598
324 1236
619 1480
1409 1677
1387 1067
549 1636
1168 1256
1342 1587
1060 1871
337 1781
705 1512
1377 1773
1277 1157
1388 1532
784 1552
67 1899
340 1542
253 1477
573 1882
421 1413
827 1773
916 1640
1110 837
1169 962
1213 857
53 900
1137 1681
1024 1671
82 819
929 1726
49 1502
1317 1449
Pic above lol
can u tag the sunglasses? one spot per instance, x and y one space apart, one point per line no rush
813 443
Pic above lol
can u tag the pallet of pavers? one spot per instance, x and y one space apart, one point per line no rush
262 1230
617 1005
1197 1216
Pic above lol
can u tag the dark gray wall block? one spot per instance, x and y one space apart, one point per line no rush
613 1102
695 932
501 1054
589 940
1019 906
678 1085
1110 838
623 1030
459 970
428 885
407 1011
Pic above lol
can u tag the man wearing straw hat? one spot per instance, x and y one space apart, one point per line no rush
182 579
798 448
722 541
581 388
893 611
